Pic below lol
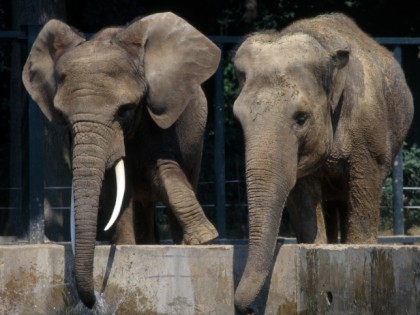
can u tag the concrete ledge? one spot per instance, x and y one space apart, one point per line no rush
38 279
306 279
343 279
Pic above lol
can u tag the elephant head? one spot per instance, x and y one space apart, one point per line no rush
289 85
99 87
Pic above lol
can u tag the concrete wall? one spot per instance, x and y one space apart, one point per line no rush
38 279
306 279
339 279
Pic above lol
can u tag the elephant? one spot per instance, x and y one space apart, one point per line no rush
132 100
324 110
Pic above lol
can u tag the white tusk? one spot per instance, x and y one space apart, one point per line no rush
120 175
72 223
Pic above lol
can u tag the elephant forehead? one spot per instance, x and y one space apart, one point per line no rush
98 70
267 52
96 58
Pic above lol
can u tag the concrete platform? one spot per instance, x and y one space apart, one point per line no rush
306 279
38 279
343 279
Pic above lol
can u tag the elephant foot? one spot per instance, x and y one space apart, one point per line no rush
201 234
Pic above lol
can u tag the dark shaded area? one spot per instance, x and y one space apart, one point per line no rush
92 15
378 18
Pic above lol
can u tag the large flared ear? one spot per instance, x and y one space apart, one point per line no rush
38 72
339 59
176 57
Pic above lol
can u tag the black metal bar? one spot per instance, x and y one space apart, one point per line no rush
219 149
220 39
380 40
398 239
397 194
36 162
13 35
398 40
397 178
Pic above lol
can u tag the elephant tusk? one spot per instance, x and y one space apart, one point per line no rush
120 175
72 222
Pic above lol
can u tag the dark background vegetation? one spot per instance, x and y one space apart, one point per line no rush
379 18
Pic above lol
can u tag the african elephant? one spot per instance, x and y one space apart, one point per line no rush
324 110
129 94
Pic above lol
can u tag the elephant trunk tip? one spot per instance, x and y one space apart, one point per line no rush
241 305
248 289
88 299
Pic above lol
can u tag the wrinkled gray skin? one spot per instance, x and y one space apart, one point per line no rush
324 110
131 93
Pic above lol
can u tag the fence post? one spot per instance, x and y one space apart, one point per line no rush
219 150
36 161
397 177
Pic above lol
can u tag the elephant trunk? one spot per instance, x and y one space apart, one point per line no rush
271 175
89 162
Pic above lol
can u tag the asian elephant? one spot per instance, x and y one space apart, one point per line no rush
324 110
129 94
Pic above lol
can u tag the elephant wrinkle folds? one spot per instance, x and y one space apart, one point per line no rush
97 88
328 108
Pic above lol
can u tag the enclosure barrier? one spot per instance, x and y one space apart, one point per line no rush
191 280
34 190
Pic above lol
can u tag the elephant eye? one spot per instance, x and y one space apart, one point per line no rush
126 111
61 77
301 117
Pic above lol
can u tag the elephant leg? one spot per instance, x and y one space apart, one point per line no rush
360 221
178 194
145 223
124 229
304 205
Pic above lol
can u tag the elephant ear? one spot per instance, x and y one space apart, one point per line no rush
339 59
38 72
176 57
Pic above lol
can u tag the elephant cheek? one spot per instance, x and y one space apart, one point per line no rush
313 153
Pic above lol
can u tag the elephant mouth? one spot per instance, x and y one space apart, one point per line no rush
120 179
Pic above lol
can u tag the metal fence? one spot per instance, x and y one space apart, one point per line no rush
34 192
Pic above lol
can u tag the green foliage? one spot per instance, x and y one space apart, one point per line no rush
412 179
411 197
411 165
277 14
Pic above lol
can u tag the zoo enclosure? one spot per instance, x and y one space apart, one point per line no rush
33 191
